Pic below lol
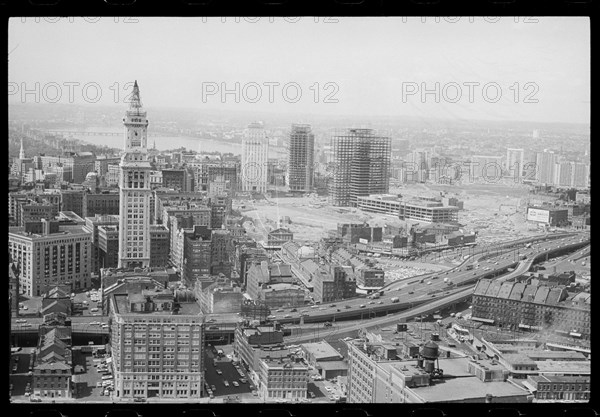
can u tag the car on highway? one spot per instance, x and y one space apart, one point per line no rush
287 316
362 306
348 306
331 305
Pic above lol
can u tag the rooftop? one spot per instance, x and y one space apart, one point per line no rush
121 304
578 367
63 231
321 350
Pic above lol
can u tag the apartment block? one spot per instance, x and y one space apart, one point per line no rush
255 153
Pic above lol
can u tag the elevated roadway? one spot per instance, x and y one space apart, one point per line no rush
425 288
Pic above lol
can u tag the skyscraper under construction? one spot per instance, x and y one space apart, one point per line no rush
361 165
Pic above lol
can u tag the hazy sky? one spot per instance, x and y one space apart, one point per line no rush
537 70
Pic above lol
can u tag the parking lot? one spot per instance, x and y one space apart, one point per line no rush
20 378
228 373
29 306
86 386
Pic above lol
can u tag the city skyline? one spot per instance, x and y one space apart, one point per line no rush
506 52
354 237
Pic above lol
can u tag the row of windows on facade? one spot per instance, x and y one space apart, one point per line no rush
166 333
286 394
164 392
193 377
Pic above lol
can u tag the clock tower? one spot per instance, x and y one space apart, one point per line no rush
134 188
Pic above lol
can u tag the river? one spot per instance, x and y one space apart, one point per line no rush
165 142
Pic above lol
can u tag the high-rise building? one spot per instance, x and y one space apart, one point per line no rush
255 151
563 174
581 175
418 168
156 345
49 254
135 191
362 165
301 158
515 158
545 167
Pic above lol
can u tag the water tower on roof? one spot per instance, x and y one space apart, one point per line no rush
428 360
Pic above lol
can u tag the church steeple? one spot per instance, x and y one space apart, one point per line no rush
22 151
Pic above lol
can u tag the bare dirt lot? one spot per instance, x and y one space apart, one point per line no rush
496 211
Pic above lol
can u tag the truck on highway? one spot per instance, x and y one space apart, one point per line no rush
395 299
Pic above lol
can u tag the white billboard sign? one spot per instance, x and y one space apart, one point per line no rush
538 215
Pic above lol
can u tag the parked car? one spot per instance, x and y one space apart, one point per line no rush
235 384
219 372
35 399
226 383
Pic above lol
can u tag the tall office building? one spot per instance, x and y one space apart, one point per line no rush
255 151
545 167
362 165
48 254
301 158
135 191
515 158
157 345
